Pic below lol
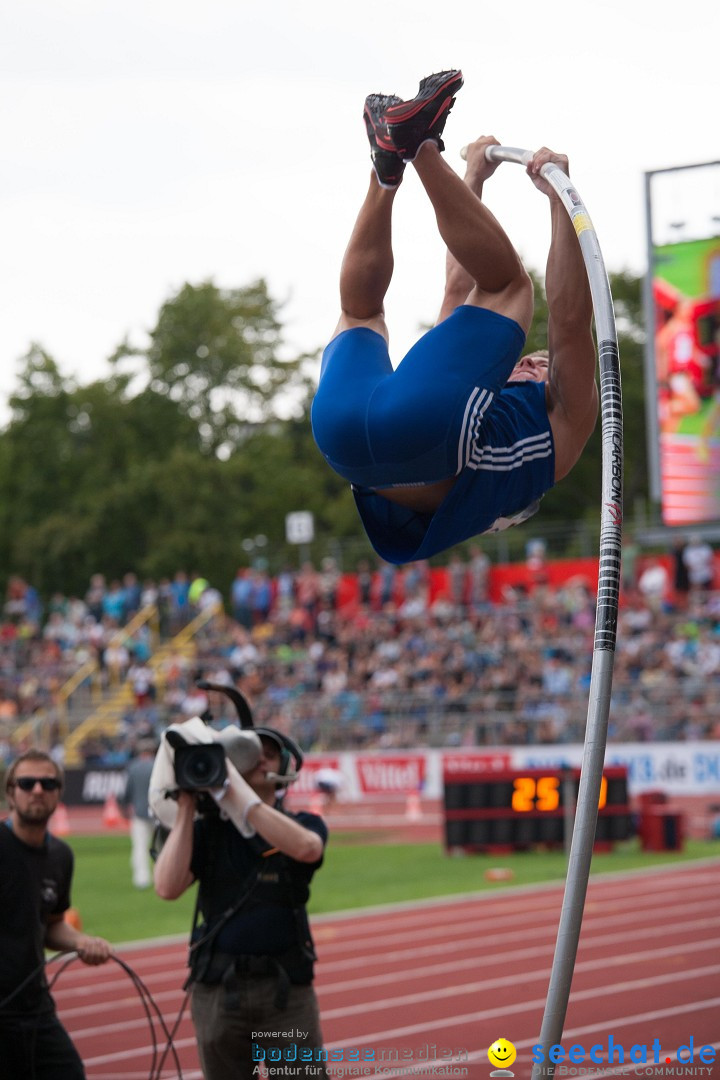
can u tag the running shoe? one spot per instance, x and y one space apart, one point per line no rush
388 164
411 123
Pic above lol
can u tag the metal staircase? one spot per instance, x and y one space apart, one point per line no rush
105 720
76 719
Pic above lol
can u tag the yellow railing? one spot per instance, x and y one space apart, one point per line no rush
105 720
38 727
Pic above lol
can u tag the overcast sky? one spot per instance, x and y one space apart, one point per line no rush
146 143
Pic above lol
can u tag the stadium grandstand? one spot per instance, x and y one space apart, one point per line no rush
463 655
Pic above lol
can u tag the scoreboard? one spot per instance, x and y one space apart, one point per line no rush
523 808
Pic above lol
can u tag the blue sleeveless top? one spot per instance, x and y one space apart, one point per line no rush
510 466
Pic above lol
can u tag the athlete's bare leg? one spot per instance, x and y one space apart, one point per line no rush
368 263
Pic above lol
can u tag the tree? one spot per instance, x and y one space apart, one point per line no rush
219 354
70 460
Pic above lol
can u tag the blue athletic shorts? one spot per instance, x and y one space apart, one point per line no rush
378 427
511 467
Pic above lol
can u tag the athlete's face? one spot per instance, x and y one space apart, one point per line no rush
530 368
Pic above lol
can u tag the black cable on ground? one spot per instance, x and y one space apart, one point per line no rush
149 1004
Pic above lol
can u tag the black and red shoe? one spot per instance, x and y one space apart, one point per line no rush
411 123
388 164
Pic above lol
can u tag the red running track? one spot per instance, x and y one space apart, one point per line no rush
447 978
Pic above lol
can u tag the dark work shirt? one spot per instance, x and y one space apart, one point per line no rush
34 884
226 864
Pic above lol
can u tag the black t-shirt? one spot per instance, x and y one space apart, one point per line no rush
34 884
273 918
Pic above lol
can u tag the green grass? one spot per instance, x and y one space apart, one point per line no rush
695 423
355 874
108 903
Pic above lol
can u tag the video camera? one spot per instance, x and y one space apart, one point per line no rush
203 766
196 758
199 767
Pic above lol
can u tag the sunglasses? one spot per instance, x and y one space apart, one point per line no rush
47 783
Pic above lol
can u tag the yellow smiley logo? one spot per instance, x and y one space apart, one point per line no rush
502 1053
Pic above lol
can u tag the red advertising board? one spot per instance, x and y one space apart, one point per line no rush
390 774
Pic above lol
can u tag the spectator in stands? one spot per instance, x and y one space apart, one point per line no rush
132 596
478 575
387 578
23 602
261 597
241 598
113 602
653 583
364 581
116 657
699 560
164 606
197 587
307 589
285 589
681 578
210 597
95 595
329 581
179 612
457 582
150 594
142 679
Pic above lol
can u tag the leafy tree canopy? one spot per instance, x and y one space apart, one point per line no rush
219 354
173 466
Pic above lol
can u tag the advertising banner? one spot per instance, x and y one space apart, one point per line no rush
681 768
686 301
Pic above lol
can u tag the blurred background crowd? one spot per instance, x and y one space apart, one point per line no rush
381 657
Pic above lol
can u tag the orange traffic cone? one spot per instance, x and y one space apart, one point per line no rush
72 916
112 818
413 809
60 822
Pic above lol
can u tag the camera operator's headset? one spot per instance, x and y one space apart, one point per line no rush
291 756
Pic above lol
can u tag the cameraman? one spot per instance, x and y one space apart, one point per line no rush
252 957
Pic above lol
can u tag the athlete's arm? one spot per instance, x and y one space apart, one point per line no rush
459 282
571 390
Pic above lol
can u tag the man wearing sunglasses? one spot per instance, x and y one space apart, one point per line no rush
35 877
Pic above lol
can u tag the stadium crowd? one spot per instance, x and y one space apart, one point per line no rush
384 657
